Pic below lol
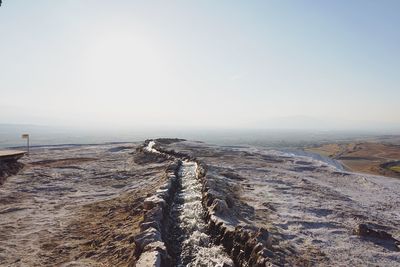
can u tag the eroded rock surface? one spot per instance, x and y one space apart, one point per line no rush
113 205
269 207
76 206
8 168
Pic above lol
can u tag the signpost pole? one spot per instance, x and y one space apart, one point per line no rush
26 136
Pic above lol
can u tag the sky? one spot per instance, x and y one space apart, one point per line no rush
200 64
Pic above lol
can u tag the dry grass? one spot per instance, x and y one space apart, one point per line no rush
101 235
365 157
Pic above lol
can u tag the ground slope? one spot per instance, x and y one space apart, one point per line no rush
312 209
83 205
76 205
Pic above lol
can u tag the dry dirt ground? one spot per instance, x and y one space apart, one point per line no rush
75 206
365 157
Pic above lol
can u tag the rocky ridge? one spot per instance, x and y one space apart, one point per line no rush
247 245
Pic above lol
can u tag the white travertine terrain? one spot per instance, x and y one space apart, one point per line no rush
83 206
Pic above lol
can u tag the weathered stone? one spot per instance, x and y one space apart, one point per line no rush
266 253
364 230
235 251
262 236
146 237
157 245
219 207
227 240
261 262
151 224
249 248
163 193
240 258
254 254
150 202
209 198
242 237
220 230
155 214
212 228
149 259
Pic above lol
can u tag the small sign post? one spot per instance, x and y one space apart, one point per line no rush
26 136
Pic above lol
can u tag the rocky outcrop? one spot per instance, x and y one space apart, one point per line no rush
366 232
246 245
151 247
8 168
145 157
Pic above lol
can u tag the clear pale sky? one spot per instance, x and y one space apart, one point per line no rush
199 63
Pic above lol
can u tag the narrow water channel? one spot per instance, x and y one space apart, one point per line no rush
187 232
192 245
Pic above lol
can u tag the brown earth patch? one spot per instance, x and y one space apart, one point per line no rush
55 163
101 235
365 157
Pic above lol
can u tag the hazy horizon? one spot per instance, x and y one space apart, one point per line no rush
10 136
130 65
